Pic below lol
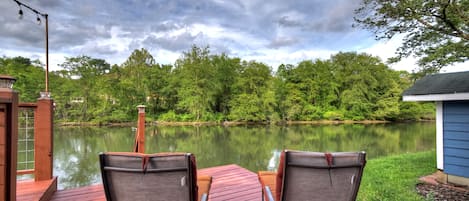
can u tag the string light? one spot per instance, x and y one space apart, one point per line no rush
38 20
20 13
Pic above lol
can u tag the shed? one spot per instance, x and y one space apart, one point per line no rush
450 91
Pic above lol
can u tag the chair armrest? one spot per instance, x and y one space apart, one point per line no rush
204 197
203 184
269 193
268 181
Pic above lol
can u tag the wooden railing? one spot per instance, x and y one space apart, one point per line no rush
43 139
25 138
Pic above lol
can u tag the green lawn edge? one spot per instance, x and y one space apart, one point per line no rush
395 177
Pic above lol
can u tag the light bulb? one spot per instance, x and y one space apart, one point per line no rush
20 13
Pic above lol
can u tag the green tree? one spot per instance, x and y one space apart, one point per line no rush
29 76
196 79
253 98
281 90
435 31
360 79
226 72
161 92
86 73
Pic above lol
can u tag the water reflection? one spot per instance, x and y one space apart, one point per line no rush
253 147
273 162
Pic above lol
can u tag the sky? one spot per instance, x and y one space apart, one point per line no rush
273 32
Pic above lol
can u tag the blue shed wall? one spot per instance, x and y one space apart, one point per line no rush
456 138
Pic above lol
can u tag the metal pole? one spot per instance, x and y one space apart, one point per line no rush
47 52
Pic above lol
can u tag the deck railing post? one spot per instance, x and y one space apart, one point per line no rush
43 138
8 138
141 129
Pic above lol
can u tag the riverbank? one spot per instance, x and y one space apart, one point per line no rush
228 123
396 177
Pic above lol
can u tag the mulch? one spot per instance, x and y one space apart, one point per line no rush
442 192
431 189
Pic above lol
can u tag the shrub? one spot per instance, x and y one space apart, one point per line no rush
334 115
168 116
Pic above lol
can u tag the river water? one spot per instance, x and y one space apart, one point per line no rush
256 148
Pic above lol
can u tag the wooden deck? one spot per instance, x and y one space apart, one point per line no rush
31 190
232 182
229 182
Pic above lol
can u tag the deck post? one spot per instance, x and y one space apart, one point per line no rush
43 138
8 138
141 129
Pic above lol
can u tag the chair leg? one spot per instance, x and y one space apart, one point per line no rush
204 197
269 194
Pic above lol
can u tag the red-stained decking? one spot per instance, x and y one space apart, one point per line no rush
229 182
36 190
232 182
87 193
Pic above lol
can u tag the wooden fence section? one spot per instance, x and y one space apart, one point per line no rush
229 182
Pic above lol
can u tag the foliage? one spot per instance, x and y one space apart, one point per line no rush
435 31
84 74
251 98
206 87
29 76
197 85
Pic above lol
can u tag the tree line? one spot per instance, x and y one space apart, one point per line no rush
201 86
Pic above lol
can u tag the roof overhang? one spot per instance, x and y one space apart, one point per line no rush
436 97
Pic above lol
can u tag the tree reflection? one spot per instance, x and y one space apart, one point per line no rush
253 147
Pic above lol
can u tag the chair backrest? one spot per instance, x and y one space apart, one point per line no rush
321 176
135 176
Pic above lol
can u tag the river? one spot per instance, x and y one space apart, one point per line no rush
256 148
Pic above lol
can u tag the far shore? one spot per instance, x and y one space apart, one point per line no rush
230 123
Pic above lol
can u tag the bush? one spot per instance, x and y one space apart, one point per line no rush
168 116
311 112
186 117
217 117
334 115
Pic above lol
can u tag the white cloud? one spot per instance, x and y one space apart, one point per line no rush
54 58
387 49
277 32
276 57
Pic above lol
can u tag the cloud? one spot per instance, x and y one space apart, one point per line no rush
285 21
175 43
386 49
166 26
273 32
282 42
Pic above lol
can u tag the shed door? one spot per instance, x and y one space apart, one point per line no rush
456 138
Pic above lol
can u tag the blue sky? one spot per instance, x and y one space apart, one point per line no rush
272 32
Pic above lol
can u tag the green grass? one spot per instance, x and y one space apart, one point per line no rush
395 177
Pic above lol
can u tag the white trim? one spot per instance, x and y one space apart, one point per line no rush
439 135
437 97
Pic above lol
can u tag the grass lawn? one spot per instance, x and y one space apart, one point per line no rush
395 177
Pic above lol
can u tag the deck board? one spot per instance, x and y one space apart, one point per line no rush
232 182
31 190
229 182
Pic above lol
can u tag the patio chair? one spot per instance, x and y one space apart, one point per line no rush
163 176
314 176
